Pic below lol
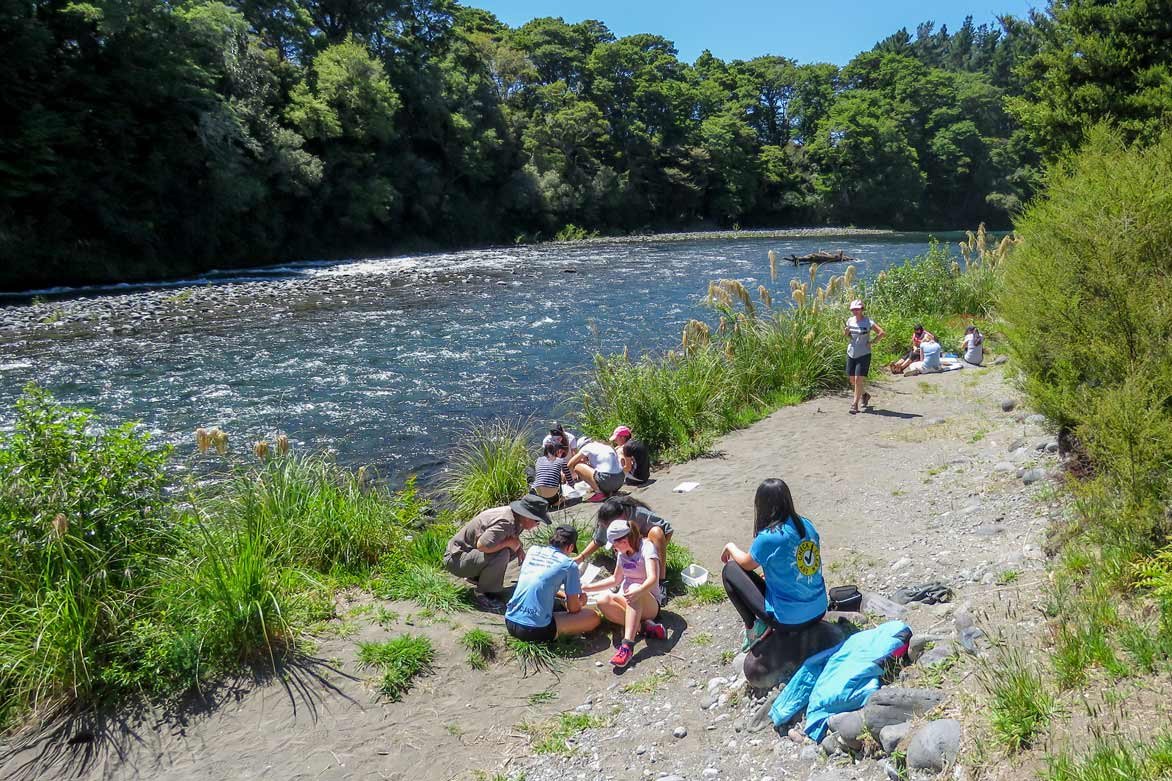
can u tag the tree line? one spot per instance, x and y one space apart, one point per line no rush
141 139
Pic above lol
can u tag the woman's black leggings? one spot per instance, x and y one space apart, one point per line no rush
746 591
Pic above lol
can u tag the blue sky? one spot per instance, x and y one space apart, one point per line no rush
742 29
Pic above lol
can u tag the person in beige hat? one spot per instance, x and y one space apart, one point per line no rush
482 549
858 330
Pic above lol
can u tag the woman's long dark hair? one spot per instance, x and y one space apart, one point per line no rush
619 507
774 505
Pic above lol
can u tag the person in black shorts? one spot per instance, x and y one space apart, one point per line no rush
858 329
548 569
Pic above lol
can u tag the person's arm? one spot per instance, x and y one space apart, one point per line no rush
879 332
846 328
495 538
744 560
585 555
575 602
578 458
602 585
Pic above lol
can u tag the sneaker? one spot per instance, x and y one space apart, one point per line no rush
598 497
866 399
753 634
654 630
623 656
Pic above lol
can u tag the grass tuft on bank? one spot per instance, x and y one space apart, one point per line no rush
116 581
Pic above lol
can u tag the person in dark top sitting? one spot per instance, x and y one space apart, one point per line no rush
633 455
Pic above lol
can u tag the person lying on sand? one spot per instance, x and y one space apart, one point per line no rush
633 456
482 549
598 464
547 570
918 334
635 605
792 595
653 527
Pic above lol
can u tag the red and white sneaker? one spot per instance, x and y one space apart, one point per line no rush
654 630
623 656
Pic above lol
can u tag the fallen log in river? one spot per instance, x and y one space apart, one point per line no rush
821 256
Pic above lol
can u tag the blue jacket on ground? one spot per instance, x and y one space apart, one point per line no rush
840 679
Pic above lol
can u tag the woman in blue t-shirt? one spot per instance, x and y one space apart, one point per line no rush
792 595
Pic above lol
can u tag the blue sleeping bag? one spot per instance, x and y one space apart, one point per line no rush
839 679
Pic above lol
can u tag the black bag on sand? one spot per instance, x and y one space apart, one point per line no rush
845 599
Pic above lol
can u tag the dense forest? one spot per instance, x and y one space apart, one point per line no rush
143 139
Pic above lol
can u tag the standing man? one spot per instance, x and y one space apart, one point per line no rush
482 549
858 330
633 456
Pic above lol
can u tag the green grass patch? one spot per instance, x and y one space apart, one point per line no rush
400 659
556 735
531 657
1020 706
702 639
543 697
481 646
431 589
1115 761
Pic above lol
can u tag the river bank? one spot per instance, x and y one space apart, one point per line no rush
923 488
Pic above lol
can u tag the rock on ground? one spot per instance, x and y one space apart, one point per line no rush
934 746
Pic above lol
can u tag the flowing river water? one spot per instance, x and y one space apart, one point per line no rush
386 362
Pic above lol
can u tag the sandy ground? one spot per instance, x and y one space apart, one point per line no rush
917 489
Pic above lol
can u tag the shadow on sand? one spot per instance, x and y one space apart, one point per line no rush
73 743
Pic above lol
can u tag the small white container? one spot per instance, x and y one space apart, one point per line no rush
694 575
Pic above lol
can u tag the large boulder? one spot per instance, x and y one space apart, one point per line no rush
773 660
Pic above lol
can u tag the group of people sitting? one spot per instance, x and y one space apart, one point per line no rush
926 354
605 468
631 597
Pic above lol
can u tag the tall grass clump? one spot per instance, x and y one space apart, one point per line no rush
488 467
1021 707
82 521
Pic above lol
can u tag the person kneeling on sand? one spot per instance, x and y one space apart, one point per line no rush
651 526
548 569
598 464
636 604
482 549
792 595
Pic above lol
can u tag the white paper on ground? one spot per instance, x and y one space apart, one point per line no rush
569 492
683 488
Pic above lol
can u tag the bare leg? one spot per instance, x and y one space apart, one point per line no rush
585 472
613 607
585 620
660 541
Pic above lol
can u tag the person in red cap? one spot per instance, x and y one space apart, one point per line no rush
633 455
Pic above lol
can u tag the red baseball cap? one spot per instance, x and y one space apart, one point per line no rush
621 431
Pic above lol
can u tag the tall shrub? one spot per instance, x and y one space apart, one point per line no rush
1088 308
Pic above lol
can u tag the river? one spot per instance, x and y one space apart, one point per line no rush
385 362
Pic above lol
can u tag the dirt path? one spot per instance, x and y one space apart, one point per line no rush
922 488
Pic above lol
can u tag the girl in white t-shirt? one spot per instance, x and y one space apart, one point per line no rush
636 604
972 347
